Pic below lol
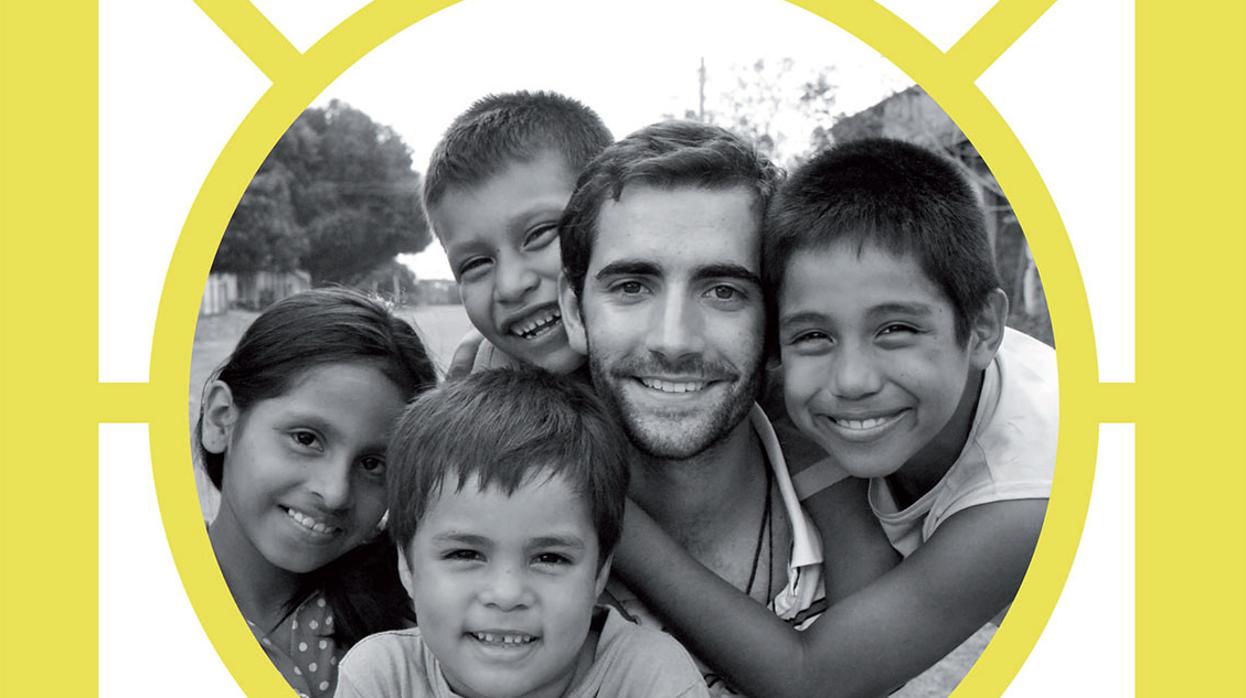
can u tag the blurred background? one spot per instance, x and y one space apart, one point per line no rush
337 200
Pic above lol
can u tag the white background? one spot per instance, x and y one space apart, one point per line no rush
173 88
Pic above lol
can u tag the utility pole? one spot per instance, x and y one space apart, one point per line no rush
701 92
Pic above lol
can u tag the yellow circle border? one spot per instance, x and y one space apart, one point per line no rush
946 81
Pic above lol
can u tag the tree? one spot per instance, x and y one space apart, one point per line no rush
393 280
336 197
770 100
263 233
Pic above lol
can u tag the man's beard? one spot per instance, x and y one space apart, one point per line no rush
677 434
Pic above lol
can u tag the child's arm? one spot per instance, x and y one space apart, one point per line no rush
855 550
854 547
867 644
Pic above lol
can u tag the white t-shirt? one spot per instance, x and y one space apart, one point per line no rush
630 662
1010 452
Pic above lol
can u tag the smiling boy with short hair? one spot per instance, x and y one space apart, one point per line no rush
897 361
895 354
506 496
496 185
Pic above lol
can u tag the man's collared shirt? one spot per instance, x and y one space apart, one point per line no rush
801 600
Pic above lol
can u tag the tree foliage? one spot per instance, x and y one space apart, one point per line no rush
785 109
336 197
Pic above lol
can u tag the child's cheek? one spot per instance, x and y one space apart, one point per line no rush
801 379
476 295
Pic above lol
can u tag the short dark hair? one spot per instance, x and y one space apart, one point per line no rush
666 154
312 329
895 195
506 427
500 129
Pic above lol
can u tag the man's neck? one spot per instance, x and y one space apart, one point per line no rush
701 499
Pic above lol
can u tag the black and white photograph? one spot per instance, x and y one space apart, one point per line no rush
645 349
699 357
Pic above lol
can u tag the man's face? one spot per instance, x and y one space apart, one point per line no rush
672 315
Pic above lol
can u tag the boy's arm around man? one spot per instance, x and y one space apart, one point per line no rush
870 642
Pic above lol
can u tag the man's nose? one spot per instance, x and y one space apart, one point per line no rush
676 328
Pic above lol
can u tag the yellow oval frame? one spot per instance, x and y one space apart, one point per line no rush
948 77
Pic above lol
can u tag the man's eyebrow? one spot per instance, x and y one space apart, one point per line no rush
628 267
727 271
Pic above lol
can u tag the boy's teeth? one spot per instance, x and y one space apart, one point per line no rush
504 638
539 322
860 423
309 523
672 386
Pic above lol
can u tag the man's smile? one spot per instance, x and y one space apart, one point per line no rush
674 385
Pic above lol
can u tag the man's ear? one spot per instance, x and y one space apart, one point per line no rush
603 574
220 414
572 320
986 332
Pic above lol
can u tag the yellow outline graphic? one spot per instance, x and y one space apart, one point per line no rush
1191 567
251 31
948 80
994 33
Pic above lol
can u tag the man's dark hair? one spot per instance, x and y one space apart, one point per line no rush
897 196
501 129
667 154
504 428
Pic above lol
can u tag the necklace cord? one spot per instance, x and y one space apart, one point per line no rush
769 541
761 537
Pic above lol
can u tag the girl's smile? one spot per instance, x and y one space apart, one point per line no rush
304 471
312 524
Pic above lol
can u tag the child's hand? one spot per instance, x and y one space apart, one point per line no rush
464 355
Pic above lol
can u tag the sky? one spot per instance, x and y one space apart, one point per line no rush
633 63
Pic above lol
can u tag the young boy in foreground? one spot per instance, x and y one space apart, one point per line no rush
896 361
506 497
495 188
